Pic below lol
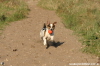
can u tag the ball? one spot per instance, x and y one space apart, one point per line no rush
49 31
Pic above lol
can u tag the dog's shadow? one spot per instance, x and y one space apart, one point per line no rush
53 43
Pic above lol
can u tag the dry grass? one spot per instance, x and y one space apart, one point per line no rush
49 4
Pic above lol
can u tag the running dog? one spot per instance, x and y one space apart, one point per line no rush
47 32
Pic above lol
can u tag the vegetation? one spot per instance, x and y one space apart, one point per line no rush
82 16
12 10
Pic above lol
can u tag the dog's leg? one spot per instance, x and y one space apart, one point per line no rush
47 44
52 38
45 41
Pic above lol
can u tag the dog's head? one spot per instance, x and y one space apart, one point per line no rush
51 26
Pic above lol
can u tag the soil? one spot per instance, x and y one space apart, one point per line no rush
20 43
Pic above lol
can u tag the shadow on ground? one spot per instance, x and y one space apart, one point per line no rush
53 43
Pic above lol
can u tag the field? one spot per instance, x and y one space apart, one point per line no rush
20 43
82 16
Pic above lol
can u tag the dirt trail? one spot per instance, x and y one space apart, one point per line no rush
20 43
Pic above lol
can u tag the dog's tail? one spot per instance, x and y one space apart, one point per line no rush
44 25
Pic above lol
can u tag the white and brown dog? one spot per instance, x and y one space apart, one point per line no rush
47 32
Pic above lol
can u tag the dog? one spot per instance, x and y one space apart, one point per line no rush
47 32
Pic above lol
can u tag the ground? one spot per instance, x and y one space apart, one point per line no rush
20 43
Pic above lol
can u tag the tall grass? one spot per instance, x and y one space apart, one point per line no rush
12 10
82 16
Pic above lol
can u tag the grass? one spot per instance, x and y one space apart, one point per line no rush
12 10
82 16
49 4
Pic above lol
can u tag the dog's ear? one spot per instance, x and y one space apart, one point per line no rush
48 22
44 25
55 23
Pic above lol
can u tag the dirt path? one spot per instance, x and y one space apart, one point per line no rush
20 43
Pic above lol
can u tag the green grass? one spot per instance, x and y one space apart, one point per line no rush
12 10
82 16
